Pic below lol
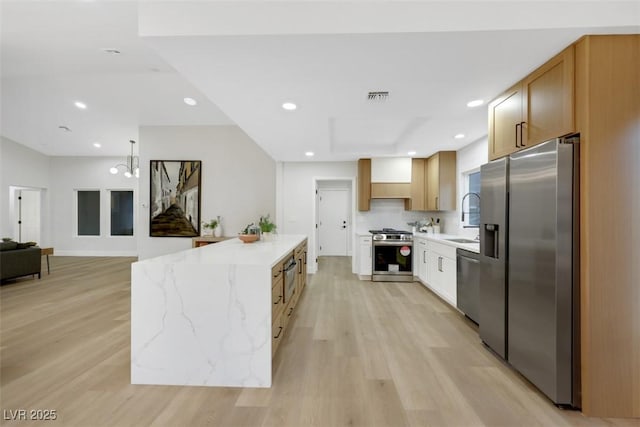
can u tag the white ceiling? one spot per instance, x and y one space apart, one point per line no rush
242 60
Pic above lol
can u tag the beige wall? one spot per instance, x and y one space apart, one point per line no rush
238 178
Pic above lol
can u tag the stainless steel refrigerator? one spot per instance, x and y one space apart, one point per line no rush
529 265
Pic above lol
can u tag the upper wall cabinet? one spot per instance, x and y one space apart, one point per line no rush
433 184
441 181
536 109
364 184
418 198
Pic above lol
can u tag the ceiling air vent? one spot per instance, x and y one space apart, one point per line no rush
378 96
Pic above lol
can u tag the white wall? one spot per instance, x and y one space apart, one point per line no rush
296 196
88 173
23 167
238 178
469 159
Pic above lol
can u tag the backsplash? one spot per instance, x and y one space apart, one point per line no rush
391 213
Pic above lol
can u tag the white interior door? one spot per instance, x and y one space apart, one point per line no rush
333 221
28 215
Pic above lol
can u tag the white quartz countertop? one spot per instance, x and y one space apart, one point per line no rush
442 238
235 252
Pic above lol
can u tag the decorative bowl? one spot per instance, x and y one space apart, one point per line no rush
248 238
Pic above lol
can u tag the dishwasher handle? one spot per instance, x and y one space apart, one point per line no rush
466 258
290 267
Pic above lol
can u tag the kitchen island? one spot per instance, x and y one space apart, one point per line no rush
203 316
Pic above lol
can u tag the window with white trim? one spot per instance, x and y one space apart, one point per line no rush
88 202
121 212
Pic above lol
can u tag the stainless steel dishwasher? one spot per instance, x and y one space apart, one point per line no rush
468 283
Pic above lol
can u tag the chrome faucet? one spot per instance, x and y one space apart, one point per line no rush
462 204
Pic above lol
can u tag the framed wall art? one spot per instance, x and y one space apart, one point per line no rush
175 198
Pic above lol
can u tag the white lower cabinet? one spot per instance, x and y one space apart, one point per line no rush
441 271
364 256
421 248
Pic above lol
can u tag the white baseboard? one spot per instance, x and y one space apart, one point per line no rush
96 253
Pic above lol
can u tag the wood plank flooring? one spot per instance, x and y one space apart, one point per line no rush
357 354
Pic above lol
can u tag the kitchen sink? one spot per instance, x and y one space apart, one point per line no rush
462 240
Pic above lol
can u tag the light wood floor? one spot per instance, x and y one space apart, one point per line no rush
358 354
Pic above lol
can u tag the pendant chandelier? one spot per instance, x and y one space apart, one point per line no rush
132 168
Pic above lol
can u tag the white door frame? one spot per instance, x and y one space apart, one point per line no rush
14 206
314 231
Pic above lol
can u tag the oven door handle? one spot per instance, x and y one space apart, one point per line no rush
392 243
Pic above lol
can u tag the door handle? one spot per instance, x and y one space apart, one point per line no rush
439 263
278 301
517 145
437 204
522 144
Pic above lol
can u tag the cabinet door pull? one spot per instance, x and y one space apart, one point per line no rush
278 334
522 144
278 301
437 207
424 257
439 263
517 125
290 311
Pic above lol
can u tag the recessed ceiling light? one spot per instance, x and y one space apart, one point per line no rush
97 144
190 101
80 105
475 103
309 154
411 153
459 136
289 106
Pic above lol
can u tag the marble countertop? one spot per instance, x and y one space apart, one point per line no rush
235 252
441 238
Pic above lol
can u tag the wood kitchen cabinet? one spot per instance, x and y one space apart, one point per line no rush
277 307
418 197
364 184
538 108
592 88
441 181
282 309
300 255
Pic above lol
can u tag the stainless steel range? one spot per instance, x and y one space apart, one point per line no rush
392 255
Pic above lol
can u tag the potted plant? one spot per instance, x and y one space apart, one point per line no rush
266 226
250 233
209 227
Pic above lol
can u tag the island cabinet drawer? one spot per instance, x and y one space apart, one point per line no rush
287 315
277 299
277 331
276 273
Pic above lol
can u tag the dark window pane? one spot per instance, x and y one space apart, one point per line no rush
88 213
474 202
122 213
